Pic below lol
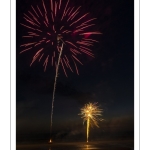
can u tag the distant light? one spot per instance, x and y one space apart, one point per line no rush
50 141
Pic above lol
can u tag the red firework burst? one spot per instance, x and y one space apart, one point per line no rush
53 23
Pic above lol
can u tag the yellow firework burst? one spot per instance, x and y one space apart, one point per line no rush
91 113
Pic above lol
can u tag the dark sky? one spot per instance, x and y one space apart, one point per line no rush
107 79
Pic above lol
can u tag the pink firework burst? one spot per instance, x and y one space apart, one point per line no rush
52 23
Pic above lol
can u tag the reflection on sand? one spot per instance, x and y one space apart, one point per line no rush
81 147
89 147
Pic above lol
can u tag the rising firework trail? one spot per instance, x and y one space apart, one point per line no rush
59 38
58 35
91 113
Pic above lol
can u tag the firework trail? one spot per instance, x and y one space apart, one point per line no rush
57 35
56 75
90 113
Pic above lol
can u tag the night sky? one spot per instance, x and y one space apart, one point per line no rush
107 79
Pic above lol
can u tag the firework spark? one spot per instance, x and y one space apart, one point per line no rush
58 35
91 113
49 20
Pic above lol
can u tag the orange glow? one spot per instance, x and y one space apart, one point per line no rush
50 141
90 113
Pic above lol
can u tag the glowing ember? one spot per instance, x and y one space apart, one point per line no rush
50 141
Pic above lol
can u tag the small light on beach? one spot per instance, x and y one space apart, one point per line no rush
50 141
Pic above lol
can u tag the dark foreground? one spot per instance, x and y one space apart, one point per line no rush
102 145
